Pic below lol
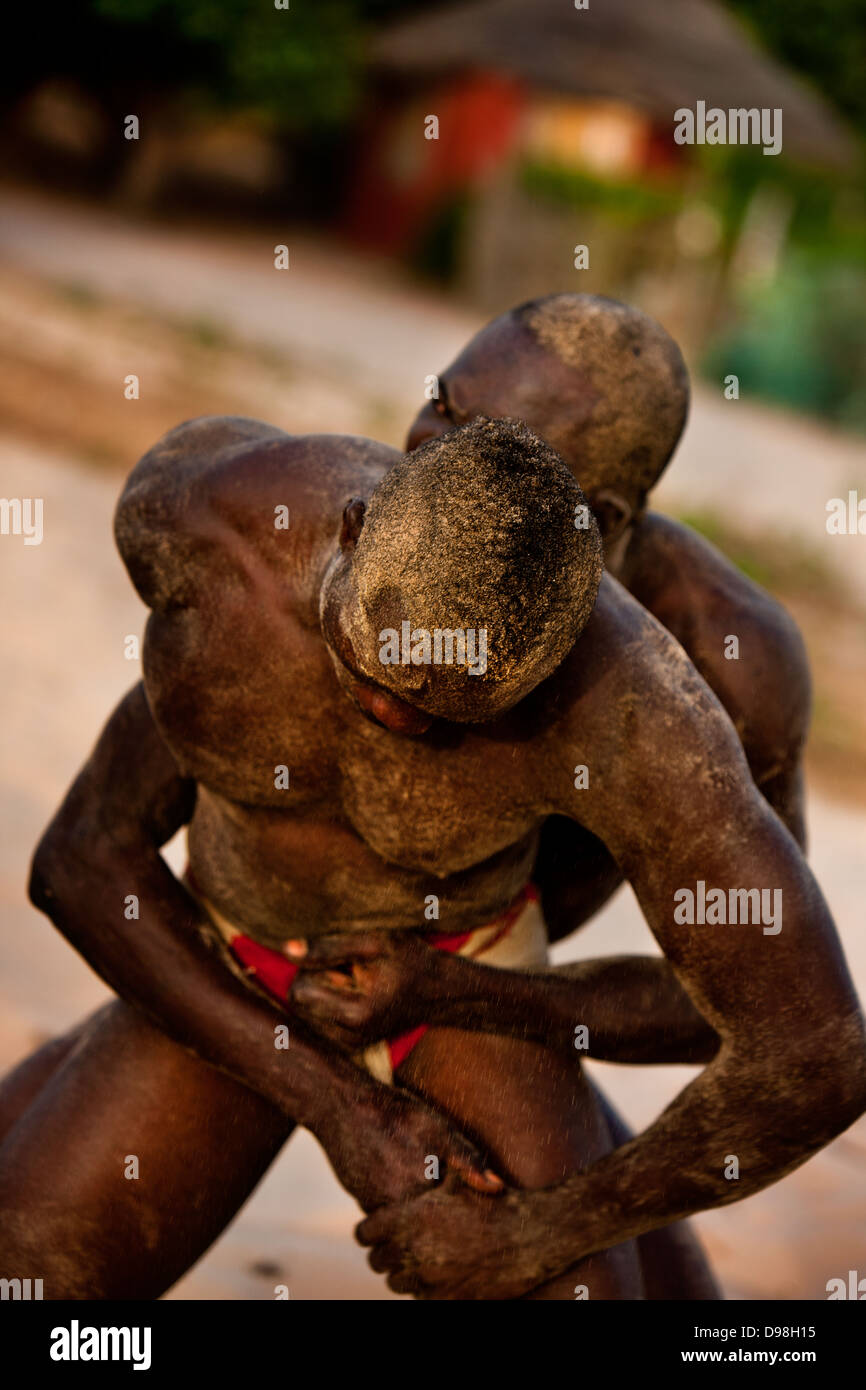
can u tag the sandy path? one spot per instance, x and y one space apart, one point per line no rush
67 608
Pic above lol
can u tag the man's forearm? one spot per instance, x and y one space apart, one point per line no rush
633 1008
161 964
743 1124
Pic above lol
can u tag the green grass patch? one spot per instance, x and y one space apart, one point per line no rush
79 296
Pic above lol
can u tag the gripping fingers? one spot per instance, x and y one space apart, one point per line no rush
470 1168
320 994
384 1259
341 948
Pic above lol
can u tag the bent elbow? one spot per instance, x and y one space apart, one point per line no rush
840 1083
852 1103
63 864
44 884
814 1093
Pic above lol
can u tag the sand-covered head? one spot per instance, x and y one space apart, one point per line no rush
469 547
638 379
601 381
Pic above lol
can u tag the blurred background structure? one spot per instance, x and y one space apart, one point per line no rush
307 126
555 128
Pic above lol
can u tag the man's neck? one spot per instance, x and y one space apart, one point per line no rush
616 553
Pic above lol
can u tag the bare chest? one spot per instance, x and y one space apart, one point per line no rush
370 838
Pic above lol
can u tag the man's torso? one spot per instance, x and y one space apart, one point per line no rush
310 817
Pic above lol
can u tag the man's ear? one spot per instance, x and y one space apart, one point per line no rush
612 512
353 522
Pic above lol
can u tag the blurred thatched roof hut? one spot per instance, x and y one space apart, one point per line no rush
655 57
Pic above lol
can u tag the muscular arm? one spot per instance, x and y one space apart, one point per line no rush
703 599
790 1073
102 847
633 1008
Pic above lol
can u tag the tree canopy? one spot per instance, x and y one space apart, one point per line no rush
304 65
825 41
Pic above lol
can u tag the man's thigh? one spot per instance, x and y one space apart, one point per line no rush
539 1119
20 1086
128 1164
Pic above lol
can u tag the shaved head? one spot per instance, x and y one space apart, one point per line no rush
599 380
473 533
638 379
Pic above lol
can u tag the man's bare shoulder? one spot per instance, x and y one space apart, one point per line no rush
695 584
223 492
742 640
202 457
627 674
632 709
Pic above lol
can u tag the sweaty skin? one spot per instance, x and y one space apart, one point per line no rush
240 681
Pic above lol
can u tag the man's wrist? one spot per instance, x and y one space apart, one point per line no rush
560 1211
453 990
334 1090
474 995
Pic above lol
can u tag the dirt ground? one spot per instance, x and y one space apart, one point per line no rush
81 310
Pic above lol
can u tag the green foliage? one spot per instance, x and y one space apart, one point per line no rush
300 65
303 66
824 39
436 253
801 340
624 202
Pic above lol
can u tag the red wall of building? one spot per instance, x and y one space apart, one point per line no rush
402 177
